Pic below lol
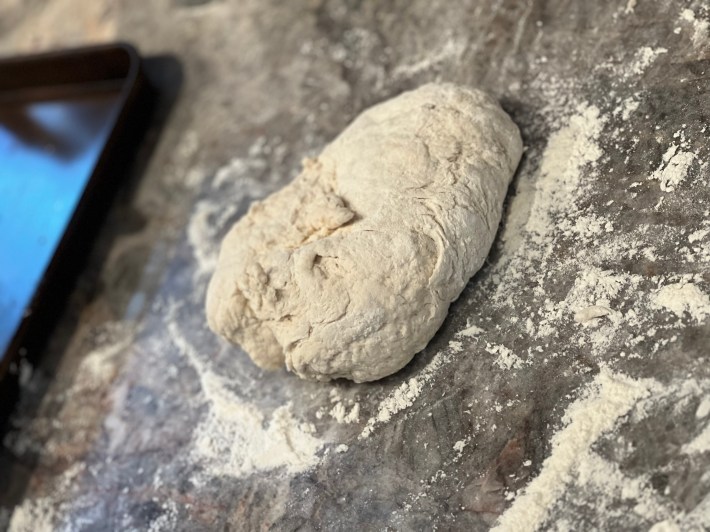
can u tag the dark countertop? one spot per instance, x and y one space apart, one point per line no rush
569 388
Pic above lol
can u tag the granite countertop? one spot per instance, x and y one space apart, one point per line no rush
569 388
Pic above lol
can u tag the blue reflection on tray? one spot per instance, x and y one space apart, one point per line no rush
48 151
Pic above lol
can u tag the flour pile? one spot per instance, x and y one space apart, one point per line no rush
235 438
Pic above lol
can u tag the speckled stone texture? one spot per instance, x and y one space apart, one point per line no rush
113 444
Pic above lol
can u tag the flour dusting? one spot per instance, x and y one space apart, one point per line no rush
36 515
593 301
471 331
703 408
404 395
701 443
699 27
505 358
236 438
609 397
43 514
242 179
674 168
341 414
643 58
684 298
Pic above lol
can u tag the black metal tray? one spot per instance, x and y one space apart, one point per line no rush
54 105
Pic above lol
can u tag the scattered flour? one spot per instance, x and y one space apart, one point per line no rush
236 438
568 151
201 235
404 395
242 180
460 445
99 366
595 472
455 346
42 514
340 414
681 298
556 207
594 286
609 397
34 515
627 107
674 168
471 331
700 27
506 359
697 236
643 59
703 408
168 520
665 526
701 443
591 313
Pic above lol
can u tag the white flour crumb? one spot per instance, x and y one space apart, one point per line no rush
700 27
588 314
703 408
664 526
609 397
470 331
700 444
42 514
630 6
506 359
455 346
168 520
643 58
189 144
236 438
354 414
674 168
34 515
594 286
342 448
626 108
403 396
460 445
697 236
340 414
681 298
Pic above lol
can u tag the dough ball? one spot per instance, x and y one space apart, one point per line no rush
350 269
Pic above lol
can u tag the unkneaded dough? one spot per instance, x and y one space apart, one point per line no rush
350 269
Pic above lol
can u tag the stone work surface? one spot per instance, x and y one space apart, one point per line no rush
569 388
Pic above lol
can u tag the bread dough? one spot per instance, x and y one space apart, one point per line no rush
349 270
